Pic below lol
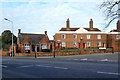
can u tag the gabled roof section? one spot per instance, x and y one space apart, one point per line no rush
92 29
115 30
33 38
68 29
81 30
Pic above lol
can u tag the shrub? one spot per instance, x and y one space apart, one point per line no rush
18 51
46 50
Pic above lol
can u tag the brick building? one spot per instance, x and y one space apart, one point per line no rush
114 38
32 42
80 37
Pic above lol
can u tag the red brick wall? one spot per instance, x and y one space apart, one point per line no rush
113 42
69 39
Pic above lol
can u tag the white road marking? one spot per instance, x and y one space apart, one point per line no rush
85 59
24 66
107 73
3 66
61 67
43 65
75 59
67 59
104 60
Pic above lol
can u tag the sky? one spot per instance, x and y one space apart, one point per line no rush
37 16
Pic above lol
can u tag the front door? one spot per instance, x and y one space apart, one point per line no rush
103 44
58 45
78 45
83 45
38 48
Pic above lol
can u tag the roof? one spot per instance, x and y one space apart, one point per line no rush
68 29
92 29
115 30
34 38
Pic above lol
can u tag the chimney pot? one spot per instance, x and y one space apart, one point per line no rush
19 31
91 23
45 32
68 23
118 25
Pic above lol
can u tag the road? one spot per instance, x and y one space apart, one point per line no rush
89 66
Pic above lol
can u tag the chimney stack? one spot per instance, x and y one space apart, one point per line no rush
45 32
19 31
118 25
68 23
91 23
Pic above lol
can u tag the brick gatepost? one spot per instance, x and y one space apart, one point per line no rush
30 48
14 50
40 47
53 48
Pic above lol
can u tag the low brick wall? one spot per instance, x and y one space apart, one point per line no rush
65 53
85 51
33 54
92 51
62 52
4 53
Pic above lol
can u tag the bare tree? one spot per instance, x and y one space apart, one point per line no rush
111 9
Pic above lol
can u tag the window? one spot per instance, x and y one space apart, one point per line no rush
74 44
63 36
27 47
74 36
88 36
117 36
99 43
98 36
63 44
88 44
44 46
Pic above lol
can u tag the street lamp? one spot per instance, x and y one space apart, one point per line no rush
12 33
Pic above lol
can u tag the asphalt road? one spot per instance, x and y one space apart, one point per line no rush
89 66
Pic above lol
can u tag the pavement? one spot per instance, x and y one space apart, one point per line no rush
86 57
76 66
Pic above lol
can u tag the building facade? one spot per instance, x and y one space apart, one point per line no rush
28 42
80 37
114 38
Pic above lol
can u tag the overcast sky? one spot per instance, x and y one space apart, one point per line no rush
37 16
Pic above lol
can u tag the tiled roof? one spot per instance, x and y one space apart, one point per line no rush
92 29
68 29
34 38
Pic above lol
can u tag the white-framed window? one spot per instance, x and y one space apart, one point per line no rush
44 46
99 43
63 36
98 36
88 36
63 44
74 44
74 36
27 47
88 44
117 36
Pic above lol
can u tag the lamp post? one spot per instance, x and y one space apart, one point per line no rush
12 33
